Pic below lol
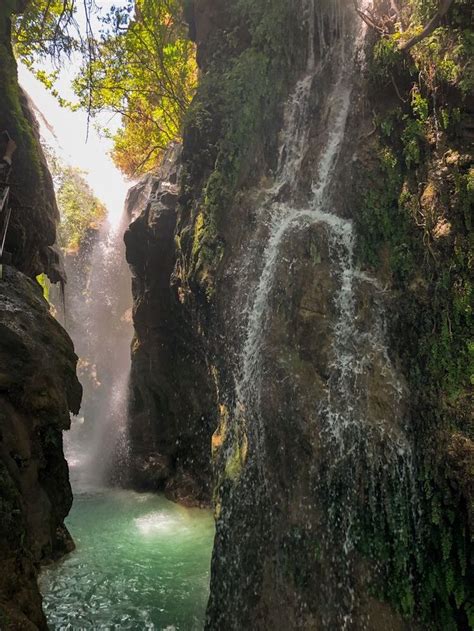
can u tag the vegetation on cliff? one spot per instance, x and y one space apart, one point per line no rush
414 222
144 69
414 204
79 208
38 387
31 180
230 125
140 64
136 60
415 227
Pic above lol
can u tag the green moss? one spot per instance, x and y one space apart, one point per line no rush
386 58
419 240
29 180
237 459
233 114
4 619
45 284
299 556
449 52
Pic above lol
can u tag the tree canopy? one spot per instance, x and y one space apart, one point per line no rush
47 29
145 71
79 208
136 61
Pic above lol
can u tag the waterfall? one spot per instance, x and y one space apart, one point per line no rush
99 304
282 218
358 457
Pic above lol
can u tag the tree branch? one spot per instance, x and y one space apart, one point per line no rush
367 18
443 8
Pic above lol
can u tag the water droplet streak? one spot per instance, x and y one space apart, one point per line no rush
376 455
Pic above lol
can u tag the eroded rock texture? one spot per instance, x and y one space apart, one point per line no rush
318 274
34 210
38 384
171 404
38 390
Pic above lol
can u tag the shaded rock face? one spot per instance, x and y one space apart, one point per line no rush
313 410
292 476
319 454
38 390
205 18
38 384
34 210
171 402
286 358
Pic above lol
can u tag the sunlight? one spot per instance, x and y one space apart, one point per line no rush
236 332
155 523
66 132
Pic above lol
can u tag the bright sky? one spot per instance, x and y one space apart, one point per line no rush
69 140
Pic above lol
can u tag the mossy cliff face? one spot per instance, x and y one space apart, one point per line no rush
38 384
414 203
174 246
342 446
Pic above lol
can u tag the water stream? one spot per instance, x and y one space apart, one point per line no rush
99 304
141 562
358 454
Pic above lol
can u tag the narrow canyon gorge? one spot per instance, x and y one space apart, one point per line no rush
278 329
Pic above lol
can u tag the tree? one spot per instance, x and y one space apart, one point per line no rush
79 208
140 66
384 24
47 29
432 25
144 71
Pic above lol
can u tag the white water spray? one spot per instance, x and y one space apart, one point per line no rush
285 217
340 417
99 299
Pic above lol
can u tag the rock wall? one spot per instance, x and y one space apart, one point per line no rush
34 210
38 389
38 384
171 408
308 263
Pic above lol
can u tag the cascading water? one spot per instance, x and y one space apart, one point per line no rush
283 218
100 302
141 562
359 458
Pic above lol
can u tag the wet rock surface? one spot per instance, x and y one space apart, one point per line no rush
265 369
170 400
38 390
319 450
38 384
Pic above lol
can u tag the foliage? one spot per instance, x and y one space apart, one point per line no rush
79 208
414 224
426 570
445 57
140 66
144 70
386 57
236 106
45 284
45 28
